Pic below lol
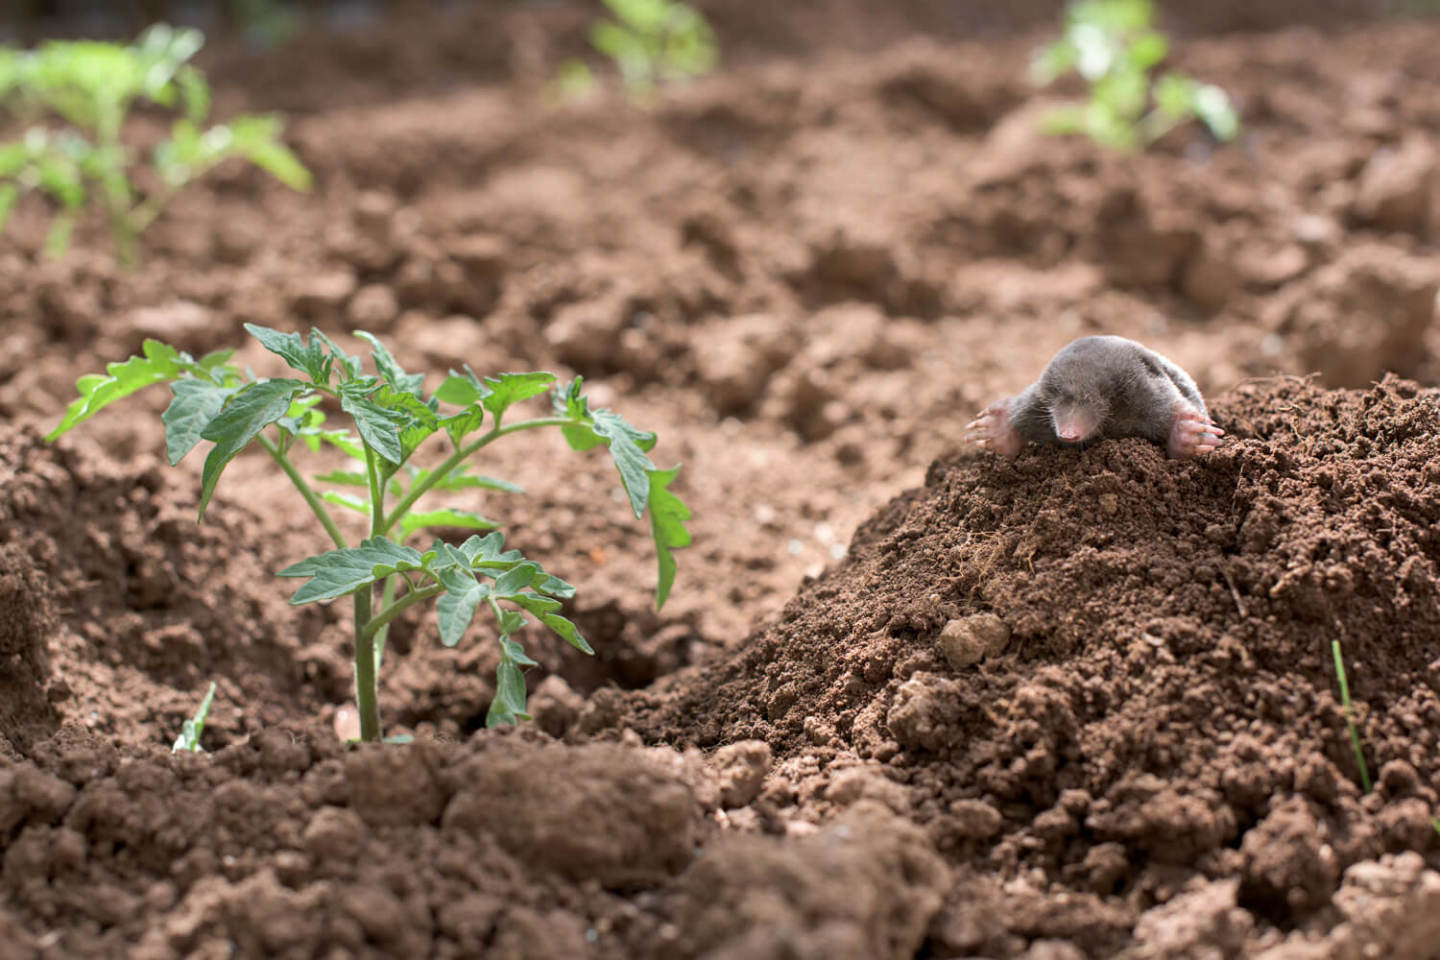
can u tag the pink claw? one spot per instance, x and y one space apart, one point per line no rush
992 429
1192 435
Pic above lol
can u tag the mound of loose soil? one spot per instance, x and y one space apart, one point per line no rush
1109 675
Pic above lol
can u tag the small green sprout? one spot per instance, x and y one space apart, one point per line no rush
392 418
1113 46
90 88
189 739
654 41
1350 716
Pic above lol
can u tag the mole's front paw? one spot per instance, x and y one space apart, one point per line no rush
993 429
1192 435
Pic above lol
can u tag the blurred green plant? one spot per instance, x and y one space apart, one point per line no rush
76 96
265 23
1114 47
655 41
189 739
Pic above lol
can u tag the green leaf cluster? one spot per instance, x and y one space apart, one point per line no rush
654 41
90 87
1114 47
391 417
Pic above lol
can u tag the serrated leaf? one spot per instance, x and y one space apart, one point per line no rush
627 449
467 421
461 389
517 578
554 586
420 420
509 703
380 427
535 603
195 404
347 500
457 479
567 630
513 650
158 363
510 622
393 373
350 367
342 440
309 358
511 388
456 607
344 478
250 410
336 573
668 514
444 517
485 553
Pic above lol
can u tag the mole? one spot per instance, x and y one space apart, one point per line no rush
1102 388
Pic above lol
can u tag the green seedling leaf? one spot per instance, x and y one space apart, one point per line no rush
568 631
347 500
463 593
344 478
485 553
627 449
535 603
517 578
340 572
250 410
379 426
158 363
510 622
393 373
444 518
668 514
511 388
461 389
508 707
309 358
513 650
461 424
195 404
189 739
458 479
419 421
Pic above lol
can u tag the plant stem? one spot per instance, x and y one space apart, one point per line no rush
366 700
1350 716
387 600
306 491
383 618
458 457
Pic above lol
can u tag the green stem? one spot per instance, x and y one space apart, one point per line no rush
377 494
462 454
1350 716
366 699
387 600
306 491
383 618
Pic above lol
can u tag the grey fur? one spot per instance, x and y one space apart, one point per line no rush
1133 391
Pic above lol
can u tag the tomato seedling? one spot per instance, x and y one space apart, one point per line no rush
1113 46
90 87
392 417
655 40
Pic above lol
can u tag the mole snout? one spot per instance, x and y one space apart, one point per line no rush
1097 388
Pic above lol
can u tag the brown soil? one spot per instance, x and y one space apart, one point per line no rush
1077 705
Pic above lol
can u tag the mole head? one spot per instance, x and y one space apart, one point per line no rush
1077 400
